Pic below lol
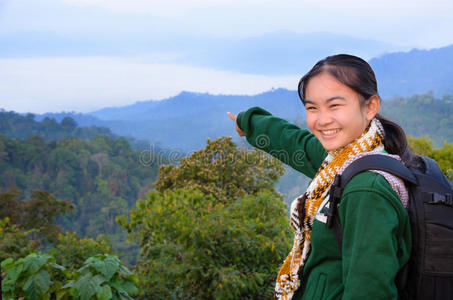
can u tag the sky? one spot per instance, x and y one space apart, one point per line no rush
83 55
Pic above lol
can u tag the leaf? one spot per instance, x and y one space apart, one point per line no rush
123 286
124 296
37 285
125 271
57 266
34 262
6 262
98 280
100 267
103 292
85 286
13 273
112 264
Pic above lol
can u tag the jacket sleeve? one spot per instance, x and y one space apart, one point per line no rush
292 145
376 240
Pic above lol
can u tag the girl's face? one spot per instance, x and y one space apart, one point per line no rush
334 113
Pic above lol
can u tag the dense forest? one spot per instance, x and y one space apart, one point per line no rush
423 115
14 125
102 177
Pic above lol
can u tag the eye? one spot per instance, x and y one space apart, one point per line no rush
335 105
311 108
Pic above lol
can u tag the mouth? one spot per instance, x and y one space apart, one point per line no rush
329 133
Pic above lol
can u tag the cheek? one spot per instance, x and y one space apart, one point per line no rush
311 120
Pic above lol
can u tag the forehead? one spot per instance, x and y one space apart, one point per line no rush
325 86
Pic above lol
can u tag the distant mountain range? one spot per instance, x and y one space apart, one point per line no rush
414 72
188 119
185 121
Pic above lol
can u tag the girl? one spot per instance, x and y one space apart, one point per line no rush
341 101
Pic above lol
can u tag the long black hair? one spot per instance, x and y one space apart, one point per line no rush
357 74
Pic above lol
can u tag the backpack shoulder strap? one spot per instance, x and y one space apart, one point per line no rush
377 162
433 170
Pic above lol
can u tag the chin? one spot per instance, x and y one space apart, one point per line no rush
333 146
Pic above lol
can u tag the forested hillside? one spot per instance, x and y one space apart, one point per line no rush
14 125
101 176
422 115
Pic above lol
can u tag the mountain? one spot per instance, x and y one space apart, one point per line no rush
415 72
185 121
188 119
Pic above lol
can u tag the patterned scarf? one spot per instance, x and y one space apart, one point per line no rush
302 216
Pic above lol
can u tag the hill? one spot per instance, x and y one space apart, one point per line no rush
188 119
415 72
185 121
14 125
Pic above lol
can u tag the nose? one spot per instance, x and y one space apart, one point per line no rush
324 118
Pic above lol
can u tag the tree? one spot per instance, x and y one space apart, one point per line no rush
223 171
195 247
71 251
215 228
14 242
37 213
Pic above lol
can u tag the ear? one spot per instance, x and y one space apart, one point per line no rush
372 108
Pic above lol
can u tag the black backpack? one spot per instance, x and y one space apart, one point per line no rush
429 272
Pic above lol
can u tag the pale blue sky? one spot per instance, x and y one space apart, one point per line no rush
87 54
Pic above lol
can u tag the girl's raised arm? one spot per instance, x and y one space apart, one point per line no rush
292 145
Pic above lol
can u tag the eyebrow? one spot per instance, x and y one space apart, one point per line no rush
328 100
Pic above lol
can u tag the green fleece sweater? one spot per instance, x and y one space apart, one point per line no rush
376 229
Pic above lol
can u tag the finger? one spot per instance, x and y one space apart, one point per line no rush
232 117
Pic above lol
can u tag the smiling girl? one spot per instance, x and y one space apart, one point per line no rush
341 101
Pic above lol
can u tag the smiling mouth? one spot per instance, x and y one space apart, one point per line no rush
330 132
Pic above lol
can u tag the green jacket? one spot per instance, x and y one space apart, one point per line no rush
376 229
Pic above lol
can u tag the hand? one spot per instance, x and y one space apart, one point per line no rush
233 117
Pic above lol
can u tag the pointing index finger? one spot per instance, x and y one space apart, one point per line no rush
232 116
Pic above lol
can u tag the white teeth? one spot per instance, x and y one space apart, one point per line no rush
329 132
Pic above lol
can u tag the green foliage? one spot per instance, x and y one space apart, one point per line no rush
36 276
422 115
37 213
223 171
215 229
14 125
29 277
14 242
443 156
71 251
102 178
195 247
103 277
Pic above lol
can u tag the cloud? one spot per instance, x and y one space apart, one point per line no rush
85 84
